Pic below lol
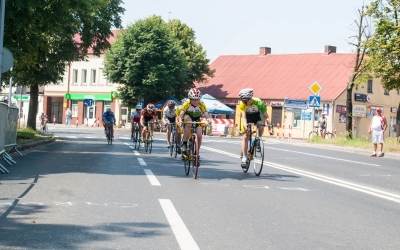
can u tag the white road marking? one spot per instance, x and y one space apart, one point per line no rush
182 234
90 137
294 189
27 203
66 204
256 186
136 153
131 147
335 181
124 138
127 144
141 162
152 178
323 156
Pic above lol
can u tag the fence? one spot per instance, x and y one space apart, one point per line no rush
8 134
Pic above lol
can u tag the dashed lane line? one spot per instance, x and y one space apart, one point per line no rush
142 162
152 178
182 234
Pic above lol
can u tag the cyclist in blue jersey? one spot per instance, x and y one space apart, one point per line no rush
109 121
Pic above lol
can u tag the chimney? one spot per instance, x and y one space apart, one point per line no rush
265 51
330 49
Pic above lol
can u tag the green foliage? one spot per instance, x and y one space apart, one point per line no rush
41 34
26 133
153 59
384 45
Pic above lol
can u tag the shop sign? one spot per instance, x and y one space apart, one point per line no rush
342 110
295 104
276 104
358 97
359 110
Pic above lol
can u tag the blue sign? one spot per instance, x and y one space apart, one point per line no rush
306 115
314 101
88 102
295 104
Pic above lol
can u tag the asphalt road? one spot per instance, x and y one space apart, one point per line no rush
80 193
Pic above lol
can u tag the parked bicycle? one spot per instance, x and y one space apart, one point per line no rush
255 151
323 133
192 157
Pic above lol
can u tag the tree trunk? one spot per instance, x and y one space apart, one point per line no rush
349 111
33 106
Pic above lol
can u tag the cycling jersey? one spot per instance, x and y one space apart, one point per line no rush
169 114
135 116
195 112
148 114
108 117
254 109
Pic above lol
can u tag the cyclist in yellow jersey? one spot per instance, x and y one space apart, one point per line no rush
252 110
192 111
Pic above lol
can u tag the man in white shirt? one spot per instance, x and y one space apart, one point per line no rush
377 129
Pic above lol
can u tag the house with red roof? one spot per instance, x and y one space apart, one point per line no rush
283 82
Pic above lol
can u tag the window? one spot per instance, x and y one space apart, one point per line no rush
75 76
386 92
100 76
84 76
93 76
74 109
369 87
296 118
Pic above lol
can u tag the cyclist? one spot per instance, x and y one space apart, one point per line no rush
322 125
192 110
252 110
169 117
109 121
147 115
135 121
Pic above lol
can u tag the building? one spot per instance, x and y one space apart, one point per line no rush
86 91
283 82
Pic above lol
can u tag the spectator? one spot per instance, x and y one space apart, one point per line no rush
377 129
68 117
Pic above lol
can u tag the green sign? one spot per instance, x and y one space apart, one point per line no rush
83 96
23 98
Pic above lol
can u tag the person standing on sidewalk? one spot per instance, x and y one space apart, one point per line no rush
68 117
377 129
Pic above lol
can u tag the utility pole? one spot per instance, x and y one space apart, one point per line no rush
2 11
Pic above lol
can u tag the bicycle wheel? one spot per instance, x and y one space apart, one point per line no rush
172 146
246 168
187 161
195 158
150 144
258 156
312 134
329 135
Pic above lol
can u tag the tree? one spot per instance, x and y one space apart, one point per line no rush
384 45
153 60
43 38
359 69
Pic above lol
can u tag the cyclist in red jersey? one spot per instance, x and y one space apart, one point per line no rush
148 116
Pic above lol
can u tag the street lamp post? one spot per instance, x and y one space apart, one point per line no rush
2 11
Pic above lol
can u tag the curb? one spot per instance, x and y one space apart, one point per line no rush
34 144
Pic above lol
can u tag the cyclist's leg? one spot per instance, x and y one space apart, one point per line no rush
169 134
186 132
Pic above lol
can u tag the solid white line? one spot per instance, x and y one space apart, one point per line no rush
338 182
136 153
141 162
323 156
152 178
131 147
294 189
182 234
124 138
127 144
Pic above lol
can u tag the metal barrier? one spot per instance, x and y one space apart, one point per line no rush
8 135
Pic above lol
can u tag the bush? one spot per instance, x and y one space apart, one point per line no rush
26 133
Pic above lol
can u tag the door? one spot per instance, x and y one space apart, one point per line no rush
90 114
276 116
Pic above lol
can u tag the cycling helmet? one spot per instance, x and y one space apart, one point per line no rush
151 106
194 94
171 103
246 94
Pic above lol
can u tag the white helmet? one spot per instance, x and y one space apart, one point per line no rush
194 94
246 93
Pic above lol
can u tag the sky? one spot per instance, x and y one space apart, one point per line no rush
236 27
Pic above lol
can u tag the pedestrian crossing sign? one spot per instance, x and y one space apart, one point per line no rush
314 101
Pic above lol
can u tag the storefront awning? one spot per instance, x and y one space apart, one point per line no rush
83 96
